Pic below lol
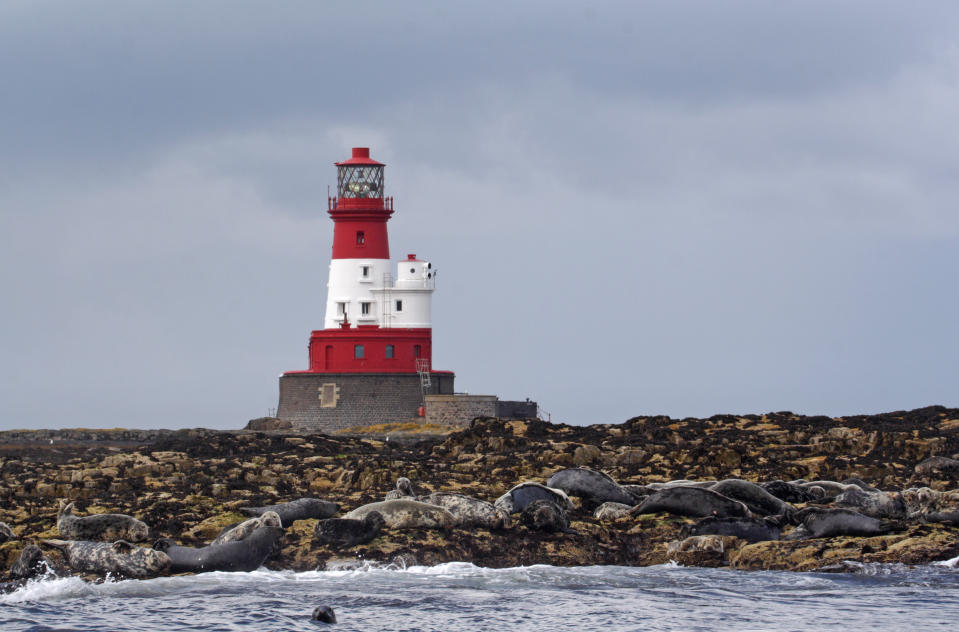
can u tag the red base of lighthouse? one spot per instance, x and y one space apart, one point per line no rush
368 350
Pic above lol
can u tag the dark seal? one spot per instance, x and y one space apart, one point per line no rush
344 533
758 500
516 499
301 509
694 502
239 555
545 515
31 563
324 614
750 529
590 485
821 522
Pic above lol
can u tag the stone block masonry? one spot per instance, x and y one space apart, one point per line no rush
460 409
326 402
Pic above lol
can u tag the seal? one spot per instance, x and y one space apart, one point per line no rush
696 544
119 558
239 555
758 500
324 614
407 514
695 502
788 492
241 530
822 522
31 563
590 485
829 488
6 533
100 527
938 465
749 529
516 499
876 504
680 483
469 511
612 511
861 484
404 489
945 517
545 515
344 533
300 509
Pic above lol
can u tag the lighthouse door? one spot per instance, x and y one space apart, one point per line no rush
328 357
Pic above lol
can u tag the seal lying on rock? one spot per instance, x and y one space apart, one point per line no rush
120 558
545 515
469 511
758 500
407 514
101 527
404 489
241 530
946 517
820 522
590 485
691 501
516 499
750 529
938 466
301 509
31 563
788 492
239 555
612 511
6 533
877 504
348 532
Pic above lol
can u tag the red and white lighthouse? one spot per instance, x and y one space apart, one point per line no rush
372 361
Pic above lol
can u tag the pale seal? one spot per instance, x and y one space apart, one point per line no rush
516 499
590 485
241 530
407 514
695 502
545 515
877 504
820 522
301 509
750 529
758 500
469 511
612 511
344 533
119 558
239 555
100 527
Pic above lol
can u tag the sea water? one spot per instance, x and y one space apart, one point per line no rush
459 596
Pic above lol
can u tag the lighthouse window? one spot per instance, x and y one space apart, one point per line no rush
359 181
341 309
358 352
365 309
360 238
365 270
416 351
389 352
399 306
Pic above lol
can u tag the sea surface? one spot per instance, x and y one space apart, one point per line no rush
459 596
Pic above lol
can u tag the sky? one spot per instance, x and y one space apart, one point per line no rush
680 208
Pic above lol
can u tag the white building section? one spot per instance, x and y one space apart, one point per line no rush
366 293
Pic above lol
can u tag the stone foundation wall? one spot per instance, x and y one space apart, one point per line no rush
459 410
325 402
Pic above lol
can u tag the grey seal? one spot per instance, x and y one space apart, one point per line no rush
404 489
830 488
945 517
100 527
300 509
407 514
612 511
517 498
821 522
877 504
758 500
344 533
31 563
239 555
750 529
938 465
324 614
6 533
243 529
545 515
469 511
120 558
695 502
788 492
590 485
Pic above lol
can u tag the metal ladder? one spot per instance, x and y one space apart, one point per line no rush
387 300
423 369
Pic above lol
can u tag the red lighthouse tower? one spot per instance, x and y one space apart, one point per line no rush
372 361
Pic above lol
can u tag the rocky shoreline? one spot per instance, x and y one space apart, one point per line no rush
188 484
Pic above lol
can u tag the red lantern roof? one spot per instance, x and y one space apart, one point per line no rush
361 156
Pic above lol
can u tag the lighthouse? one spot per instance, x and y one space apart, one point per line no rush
372 361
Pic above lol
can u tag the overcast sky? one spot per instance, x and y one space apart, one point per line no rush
680 208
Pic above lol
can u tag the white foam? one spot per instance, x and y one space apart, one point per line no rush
953 563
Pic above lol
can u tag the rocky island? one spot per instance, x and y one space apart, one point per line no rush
898 468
